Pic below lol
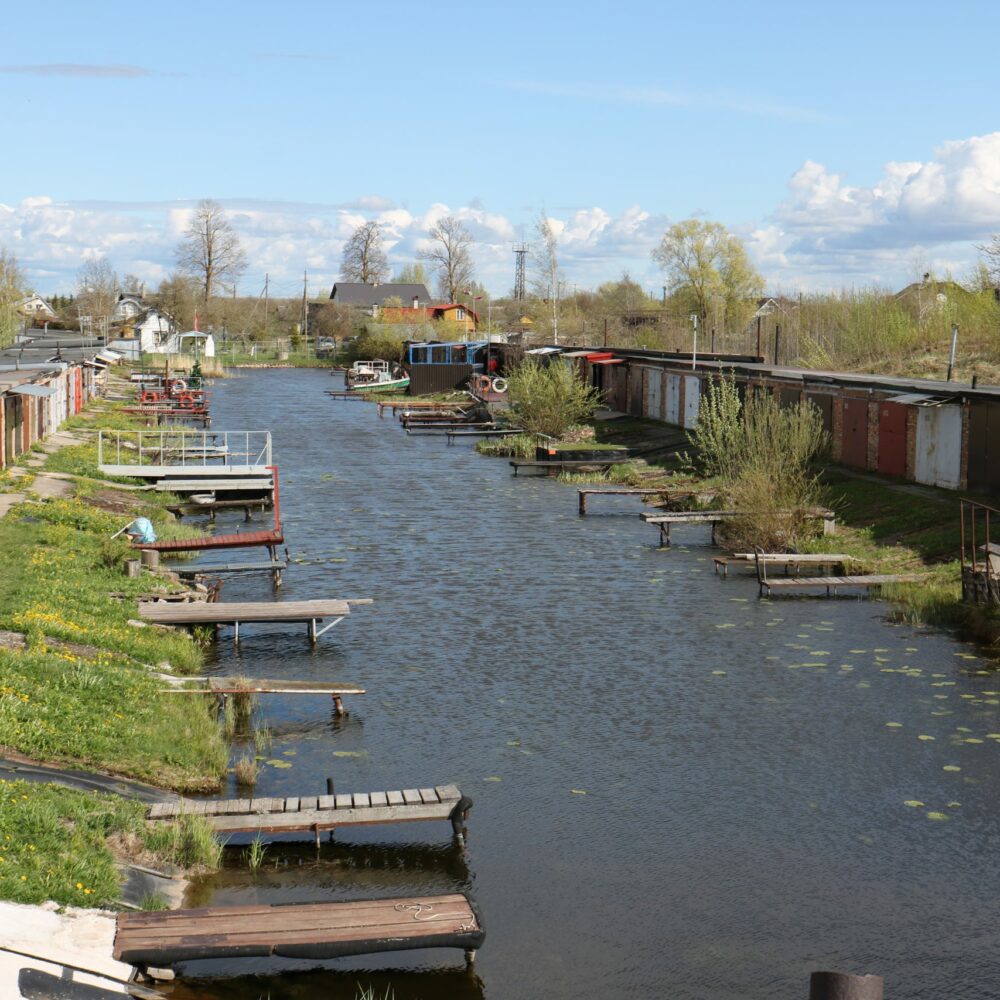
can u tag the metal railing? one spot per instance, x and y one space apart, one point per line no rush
184 448
980 554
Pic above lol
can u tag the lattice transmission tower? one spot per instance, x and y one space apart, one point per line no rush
520 256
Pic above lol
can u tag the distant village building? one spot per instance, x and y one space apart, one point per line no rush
35 308
128 307
454 319
370 298
925 297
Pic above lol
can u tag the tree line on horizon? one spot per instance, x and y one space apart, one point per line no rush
709 283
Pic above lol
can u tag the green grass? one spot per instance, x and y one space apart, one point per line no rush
100 707
54 843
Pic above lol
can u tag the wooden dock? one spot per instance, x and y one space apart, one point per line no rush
558 466
237 613
271 538
834 583
222 687
788 560
276 566
299 930
666 520
617 492
323 812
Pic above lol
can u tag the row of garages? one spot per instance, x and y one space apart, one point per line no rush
36 398
939 433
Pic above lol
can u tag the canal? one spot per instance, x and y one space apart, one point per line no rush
680 790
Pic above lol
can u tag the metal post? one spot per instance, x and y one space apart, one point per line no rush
694 347
777 341
954 344
758 336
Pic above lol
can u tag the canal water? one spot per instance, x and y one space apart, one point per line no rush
680 790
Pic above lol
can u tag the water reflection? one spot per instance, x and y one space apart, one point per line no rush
675 782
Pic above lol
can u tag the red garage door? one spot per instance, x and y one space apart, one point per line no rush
892 439
854 443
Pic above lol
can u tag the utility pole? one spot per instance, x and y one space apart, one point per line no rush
266 289
305 305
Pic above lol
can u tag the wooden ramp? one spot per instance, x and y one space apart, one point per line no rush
237 613
834 583
299 930
323 812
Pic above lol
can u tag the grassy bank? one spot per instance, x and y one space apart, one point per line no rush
60 844
76 687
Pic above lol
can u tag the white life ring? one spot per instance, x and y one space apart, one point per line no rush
178 385
499 385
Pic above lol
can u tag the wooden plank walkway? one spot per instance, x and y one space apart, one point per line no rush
787 560
300 930
237 613
323 812
832 583
715 517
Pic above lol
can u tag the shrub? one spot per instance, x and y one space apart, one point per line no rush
762 455
549 399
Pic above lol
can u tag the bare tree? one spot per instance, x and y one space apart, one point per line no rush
991 257
546 254
210 251
364 258
451 256
97 288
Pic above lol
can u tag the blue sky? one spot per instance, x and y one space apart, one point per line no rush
782 120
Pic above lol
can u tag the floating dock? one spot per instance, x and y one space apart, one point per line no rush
323 812
300 930
577 463
831 584
788 561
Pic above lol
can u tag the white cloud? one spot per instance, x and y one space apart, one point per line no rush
826 233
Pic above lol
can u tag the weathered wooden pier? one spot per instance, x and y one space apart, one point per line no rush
666 520
622 491
786 560
236 613
558 465
222 687
317 813
299 930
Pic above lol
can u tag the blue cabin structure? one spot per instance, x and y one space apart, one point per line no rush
444 366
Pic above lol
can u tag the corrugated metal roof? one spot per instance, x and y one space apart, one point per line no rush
33 390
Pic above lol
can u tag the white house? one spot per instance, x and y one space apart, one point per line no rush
128 307
36 308
146 333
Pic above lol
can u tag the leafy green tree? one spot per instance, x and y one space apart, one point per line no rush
413 274
11 293
549 399
707 263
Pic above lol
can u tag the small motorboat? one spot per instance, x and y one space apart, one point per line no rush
376 376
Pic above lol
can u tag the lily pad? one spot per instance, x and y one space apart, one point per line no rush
914 803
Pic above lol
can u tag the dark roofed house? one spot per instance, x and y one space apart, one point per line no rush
928 296
362 295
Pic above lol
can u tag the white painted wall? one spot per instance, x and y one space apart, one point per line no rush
939 446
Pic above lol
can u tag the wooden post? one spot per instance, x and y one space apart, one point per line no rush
133 567
665 535
583 503
470 954
841 986
150 559
338 705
